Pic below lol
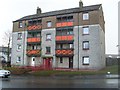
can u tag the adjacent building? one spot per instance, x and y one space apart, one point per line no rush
4 54
69 38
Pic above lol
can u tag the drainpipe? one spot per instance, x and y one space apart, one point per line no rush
24 42
78 41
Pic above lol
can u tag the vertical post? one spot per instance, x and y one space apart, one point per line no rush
78 41
24 41
8 55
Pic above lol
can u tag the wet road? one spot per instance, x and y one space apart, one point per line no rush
58 82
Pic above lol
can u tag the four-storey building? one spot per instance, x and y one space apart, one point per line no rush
70 38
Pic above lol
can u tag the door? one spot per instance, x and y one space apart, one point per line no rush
48 63
71 62
33 61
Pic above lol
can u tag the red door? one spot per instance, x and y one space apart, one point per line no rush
47 63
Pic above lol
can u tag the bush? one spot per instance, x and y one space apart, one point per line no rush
17 70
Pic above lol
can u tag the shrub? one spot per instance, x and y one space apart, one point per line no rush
17 70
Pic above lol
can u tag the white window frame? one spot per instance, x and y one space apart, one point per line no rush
86 60
48 36
19 46
20 24
49 24
18 59
85 30
85 45
85 16
19 36
71 46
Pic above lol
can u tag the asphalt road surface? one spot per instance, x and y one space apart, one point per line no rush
58 82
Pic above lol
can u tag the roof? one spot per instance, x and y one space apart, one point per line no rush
61 12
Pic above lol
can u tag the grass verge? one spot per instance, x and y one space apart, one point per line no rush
15 70
112 69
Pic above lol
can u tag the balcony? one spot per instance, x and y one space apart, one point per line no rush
64 24
33 52
64 38
33 40
64 52
34 27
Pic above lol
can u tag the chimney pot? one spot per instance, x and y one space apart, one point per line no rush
39 10
80 4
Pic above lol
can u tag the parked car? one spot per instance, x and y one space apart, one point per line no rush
4 73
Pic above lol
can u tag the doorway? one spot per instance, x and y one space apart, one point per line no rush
70 62
33 61
47 63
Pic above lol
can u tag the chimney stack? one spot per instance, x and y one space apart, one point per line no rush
80 4
39 10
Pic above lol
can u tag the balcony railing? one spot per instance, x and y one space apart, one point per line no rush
64 38
34 27
64 24
64 52
33 40
33 52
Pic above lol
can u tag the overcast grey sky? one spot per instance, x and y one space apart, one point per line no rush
12 10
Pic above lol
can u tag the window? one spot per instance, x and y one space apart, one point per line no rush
19 47
34 47
18 59
19 36
61 60
48 50
86 60
71 45
48 36
20 24
49 24
85 30
85 16
69 32
85 45
70 18
65 19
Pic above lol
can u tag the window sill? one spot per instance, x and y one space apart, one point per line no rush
86 49
85 34
85 64
48 40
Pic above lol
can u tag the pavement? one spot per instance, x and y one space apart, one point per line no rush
111 76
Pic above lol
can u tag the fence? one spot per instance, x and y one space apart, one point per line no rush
112 61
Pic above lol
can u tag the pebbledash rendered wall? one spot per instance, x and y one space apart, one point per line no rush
19 53
96 50
48 43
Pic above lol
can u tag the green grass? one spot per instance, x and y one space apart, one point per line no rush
112 69
14 70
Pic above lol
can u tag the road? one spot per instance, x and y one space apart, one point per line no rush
58 82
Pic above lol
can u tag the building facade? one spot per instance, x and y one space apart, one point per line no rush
70 38
4 54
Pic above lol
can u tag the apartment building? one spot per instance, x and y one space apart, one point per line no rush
69 38
4 54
